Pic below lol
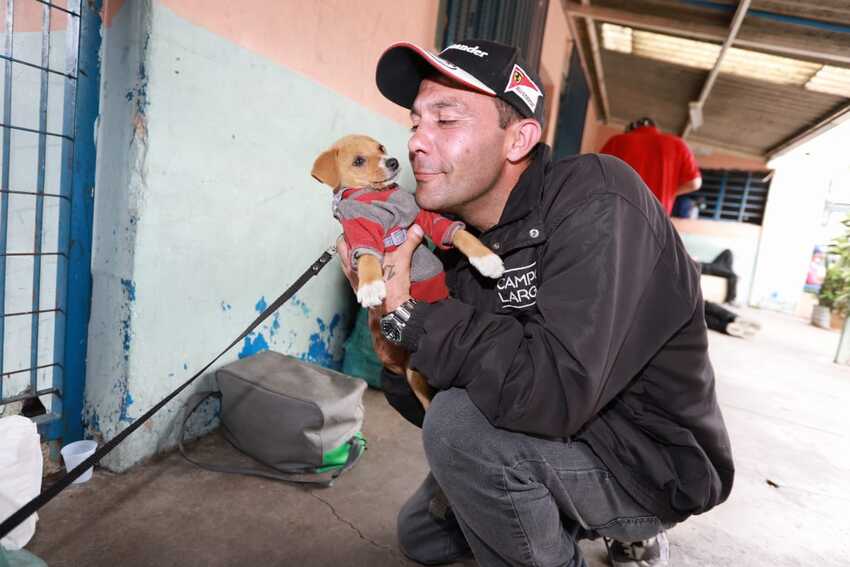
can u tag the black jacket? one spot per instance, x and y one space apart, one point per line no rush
596 331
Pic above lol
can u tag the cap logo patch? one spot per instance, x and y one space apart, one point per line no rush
473 50
523 87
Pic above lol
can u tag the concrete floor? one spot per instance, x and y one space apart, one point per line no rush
788 411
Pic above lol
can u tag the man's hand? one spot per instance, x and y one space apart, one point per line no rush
396 267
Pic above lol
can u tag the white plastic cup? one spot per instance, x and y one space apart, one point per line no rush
75 453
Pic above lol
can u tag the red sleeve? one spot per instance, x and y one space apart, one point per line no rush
688 169
438 228
363 237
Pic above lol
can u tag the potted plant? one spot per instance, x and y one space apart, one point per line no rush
834 294
832 297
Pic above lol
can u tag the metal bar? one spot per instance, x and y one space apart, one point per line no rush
721 194
452 23
463 18
745 196
34 66
8 126
4 177
21 313
596 99
30 395
7 254
502 21
538 29
519 24
785 19
60 8
67 187
488 21
39 201
479 13
33 193
743 6
79 292
23 370
597 63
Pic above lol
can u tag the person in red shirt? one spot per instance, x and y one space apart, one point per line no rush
667 166
664 161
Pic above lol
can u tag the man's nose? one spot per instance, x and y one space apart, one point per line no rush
418 141
392 163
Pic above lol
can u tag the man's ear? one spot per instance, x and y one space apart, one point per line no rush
325 170
524 135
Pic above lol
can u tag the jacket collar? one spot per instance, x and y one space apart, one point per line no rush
527 193
521 223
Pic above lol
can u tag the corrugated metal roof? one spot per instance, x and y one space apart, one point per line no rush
703 55
782 76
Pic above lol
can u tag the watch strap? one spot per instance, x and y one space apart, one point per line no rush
414 327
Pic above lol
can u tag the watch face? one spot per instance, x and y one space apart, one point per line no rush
390 331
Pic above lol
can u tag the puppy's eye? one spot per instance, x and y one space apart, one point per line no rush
358 161
382 149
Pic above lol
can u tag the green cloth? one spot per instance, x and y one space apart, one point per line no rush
360 358
19 558
337 457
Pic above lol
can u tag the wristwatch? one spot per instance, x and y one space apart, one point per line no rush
394 322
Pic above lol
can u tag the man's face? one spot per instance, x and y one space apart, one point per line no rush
457 149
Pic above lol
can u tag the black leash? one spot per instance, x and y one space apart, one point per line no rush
46 496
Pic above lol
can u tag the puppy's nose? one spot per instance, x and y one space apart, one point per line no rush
392 163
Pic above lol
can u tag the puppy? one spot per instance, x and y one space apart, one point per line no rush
375 215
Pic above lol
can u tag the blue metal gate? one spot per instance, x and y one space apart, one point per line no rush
50 92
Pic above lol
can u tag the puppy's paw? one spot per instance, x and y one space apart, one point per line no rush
371 294
489 265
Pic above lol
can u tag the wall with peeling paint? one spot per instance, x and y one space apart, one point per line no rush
204 212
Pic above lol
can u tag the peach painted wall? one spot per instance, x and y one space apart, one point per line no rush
595 132
28 16
554 58
109 9
334 42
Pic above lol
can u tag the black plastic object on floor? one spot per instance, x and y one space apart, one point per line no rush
32 407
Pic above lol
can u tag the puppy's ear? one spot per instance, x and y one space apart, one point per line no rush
324 168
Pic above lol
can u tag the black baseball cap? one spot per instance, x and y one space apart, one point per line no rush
488 67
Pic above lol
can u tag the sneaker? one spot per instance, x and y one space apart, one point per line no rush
743 328
653 552
755 326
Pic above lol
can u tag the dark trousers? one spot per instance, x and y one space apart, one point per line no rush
722 266
717 317
508 498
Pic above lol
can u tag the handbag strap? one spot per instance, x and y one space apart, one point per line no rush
51 491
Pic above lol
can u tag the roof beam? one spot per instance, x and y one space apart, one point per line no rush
690 28
743 6
597 62
827 123
589 72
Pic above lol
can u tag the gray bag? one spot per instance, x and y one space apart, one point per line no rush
301 420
